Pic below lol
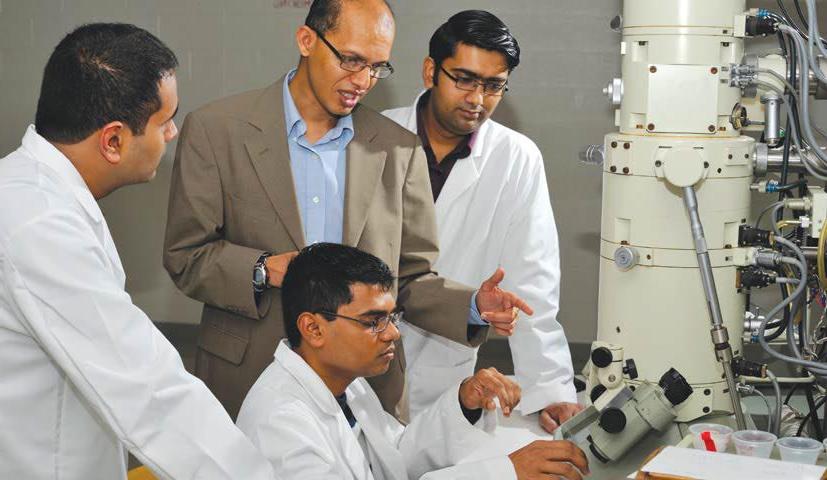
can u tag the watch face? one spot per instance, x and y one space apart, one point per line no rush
258 276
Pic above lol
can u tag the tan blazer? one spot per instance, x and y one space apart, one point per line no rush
232 197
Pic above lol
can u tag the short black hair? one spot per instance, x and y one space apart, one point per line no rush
319 278
324 14
476 28
100 73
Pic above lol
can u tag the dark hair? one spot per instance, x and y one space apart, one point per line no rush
324 14
319 278
476 28
99 73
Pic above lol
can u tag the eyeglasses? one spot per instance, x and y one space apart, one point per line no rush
356 64
377 325
470 84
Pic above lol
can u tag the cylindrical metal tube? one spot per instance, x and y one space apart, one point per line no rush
714 307
733 393
705 265
775 161
772 118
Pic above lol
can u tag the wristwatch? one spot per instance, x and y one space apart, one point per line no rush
260 275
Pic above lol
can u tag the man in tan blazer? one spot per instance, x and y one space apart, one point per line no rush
242 203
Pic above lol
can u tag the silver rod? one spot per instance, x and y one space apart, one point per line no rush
702 253
723 350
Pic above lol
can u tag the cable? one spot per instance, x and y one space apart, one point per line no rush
765 210
817 405
777 389
770 412
822 271
818 368
783 80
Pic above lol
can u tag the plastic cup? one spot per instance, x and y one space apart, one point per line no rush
754 443
702 433
799 449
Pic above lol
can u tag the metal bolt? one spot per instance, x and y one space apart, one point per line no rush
714 70
626 146
707 391
653 69
729 156
613 169
712 128
658 163
706 409
612 378
614 145
650 127
625 170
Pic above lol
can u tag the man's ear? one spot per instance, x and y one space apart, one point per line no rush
305 40
113 137
312 329
428 70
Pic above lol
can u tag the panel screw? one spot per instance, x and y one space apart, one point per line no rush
712 128
613 169
714 70
614 145
650 127
625 170
658 163
626 146
653 69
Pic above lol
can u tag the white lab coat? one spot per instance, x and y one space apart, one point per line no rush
292 416
83 372
493 211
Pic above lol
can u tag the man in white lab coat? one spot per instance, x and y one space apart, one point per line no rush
84 374
493 210
314 416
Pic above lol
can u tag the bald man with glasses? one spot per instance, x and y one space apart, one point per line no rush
260 175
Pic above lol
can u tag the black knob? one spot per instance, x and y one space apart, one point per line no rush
612 420
601 357
630 369
675 387
597 391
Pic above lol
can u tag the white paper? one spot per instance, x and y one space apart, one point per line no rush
688 462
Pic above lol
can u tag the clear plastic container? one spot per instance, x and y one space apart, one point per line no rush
799 449
754 443
717 434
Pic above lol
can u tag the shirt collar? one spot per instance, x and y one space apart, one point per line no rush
296 127
46 153
465 145
307 378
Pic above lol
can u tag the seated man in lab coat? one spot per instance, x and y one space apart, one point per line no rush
314 416
493 210
84 374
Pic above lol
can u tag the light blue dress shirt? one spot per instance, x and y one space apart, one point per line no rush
319 173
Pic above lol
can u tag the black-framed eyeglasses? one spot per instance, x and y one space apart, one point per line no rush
356 64
377 325
470 84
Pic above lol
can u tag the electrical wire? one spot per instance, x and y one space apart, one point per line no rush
776 424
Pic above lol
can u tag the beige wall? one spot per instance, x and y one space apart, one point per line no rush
227 46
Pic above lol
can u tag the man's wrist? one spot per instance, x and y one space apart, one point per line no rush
261 277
